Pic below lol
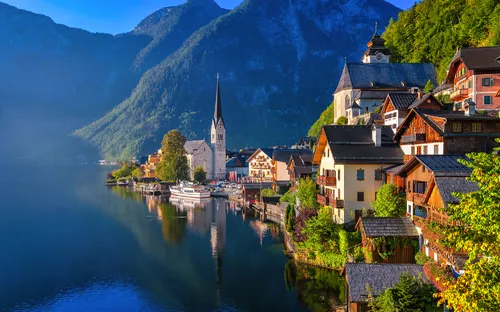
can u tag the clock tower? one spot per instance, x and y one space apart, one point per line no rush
218 138
377 51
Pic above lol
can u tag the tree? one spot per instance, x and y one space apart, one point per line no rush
429 86
267 192
326 118
477 232
390 202
307 193
321 228
137 173
173 165
125 171
342 120
409 294
199 174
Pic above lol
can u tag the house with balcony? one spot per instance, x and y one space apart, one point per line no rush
439 132
475 76
430 183
350 162
281 158
300 167
260 166
397 105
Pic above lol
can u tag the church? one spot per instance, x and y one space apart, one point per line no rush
212 158
365 85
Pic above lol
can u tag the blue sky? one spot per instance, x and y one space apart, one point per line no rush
114 16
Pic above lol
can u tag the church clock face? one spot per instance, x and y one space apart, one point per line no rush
379 56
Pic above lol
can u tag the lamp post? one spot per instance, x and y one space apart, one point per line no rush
260 188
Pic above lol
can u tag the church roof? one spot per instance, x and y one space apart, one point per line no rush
193 146
218 104
376 44
373 76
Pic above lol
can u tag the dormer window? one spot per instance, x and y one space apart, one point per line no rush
456 127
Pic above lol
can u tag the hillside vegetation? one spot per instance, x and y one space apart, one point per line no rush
432 30
326 118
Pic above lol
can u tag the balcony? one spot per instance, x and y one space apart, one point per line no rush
414 138
337 203
326 181
459 95
419 199
322 200
418 221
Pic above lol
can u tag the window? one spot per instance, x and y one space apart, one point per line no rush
338 174
487 99
436 149
476 127
347 101
419 150
361 175
419 187
338 193
423 168
327 152
470 84
361 196
413 150
378 175
498 125
409 186
487 82
425 150
456 127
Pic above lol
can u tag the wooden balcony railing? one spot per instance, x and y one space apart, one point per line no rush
437 216
326 181
418 221
418 199
337 203
322 200
459 94
413 138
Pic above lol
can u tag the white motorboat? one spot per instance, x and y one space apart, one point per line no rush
189 190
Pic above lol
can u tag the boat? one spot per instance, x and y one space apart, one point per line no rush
189 190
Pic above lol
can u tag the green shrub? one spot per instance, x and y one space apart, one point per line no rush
421 258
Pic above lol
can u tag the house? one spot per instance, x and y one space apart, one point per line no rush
306 143
397 105
199 154
369 82
475 75
437 132
260 166
237 167
396 237
363 278
430 183
281 175
351 160
300 167
149 167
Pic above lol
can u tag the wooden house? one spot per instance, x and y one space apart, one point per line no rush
397 238
260 166
362 277
440 132
430 182
300 167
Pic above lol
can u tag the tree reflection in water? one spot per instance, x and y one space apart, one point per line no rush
174 223
319 289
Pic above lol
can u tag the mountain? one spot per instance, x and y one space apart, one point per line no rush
279 62
429 33
60 78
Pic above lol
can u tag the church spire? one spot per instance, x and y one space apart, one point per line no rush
218 105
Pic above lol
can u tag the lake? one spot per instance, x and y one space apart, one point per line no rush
69 243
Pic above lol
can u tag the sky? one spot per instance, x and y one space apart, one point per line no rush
114 16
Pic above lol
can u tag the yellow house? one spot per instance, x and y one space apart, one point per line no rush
351 160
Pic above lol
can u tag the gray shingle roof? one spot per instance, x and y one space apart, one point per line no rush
192 146
378 276
445 165
402 100
424 99
283 155
354 144
380 75
388 227
448 185
478 58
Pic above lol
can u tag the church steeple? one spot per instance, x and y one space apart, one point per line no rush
377 52
218 105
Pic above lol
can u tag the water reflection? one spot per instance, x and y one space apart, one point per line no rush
319 289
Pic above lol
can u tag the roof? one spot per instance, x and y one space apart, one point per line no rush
393 169
478 58
423 100
302 164
283 155
371 94
386 75
267 151
353 105
448 185
234 162
388 227
378 276
354 144
218 105
192 146
402 100
440 165
253 186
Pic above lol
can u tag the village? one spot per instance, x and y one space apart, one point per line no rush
401 138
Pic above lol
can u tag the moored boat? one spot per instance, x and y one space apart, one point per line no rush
189 190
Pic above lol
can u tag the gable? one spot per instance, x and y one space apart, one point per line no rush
387 106
415 124
320 147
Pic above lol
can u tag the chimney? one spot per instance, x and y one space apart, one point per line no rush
470 108
420 94
377 134
455 107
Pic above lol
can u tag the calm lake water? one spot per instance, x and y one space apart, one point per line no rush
68 243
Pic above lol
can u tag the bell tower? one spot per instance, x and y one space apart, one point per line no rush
218 138
377 52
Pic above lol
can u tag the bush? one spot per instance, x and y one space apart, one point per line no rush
290 218
421 258
289 197
342 120
390 202
300 223
307 193
199 174
267 192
